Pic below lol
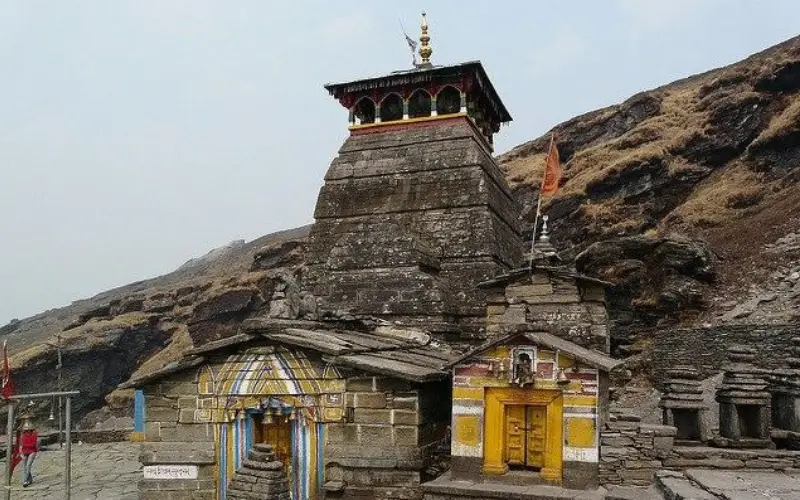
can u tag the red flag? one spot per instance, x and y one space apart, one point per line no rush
552 170
16 455
8 389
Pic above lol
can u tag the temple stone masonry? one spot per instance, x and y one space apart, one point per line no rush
744 402
414 213
261 477
633 451
785 388
683 407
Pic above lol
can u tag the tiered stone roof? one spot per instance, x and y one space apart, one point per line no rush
683 390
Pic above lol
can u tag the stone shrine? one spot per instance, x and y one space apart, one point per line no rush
529 403
415 211
785 388
261 477
683 406
744 402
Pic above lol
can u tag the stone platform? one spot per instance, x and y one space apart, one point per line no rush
99 472
443 488
747 484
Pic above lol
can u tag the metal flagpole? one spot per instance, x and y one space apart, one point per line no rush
539 202
60 398
68 454
9 449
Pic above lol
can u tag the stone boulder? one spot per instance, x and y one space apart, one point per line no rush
658 277
223 304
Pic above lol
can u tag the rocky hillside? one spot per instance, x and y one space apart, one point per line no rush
145 325
685 196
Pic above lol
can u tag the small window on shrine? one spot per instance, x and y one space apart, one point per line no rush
448 101
523 366
364 111
391 108
419 105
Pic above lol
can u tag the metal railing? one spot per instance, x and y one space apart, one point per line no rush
67 395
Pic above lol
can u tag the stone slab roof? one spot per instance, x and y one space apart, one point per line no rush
588 356
405 354
185 363
411 359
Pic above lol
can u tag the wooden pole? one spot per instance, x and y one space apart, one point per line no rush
539 201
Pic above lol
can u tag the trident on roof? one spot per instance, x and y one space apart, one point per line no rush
412 44
425 51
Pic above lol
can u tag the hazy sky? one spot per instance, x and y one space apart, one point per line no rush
135 135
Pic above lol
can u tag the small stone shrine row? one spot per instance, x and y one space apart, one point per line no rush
758 408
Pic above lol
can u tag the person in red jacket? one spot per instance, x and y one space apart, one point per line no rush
29 447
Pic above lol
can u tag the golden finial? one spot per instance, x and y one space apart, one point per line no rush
425 50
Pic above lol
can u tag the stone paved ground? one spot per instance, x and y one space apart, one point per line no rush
748 485
108 471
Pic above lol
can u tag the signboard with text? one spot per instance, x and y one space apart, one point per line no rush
170 472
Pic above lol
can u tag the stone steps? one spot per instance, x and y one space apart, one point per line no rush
443 488
261 477
675 486
633 493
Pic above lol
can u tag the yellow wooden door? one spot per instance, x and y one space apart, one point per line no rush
536 430
515 434
279 435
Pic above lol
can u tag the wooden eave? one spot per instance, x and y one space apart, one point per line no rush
420 75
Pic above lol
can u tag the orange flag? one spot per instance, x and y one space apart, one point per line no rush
552 170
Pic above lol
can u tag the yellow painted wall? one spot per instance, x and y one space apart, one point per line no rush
472 433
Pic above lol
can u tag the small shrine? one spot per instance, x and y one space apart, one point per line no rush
744 402
323 409
785 389
527 405
683 406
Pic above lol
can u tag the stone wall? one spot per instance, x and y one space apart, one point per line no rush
170 441
631 452
706 349
405 217
563 306
390 434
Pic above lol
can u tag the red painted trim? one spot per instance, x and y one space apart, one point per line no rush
392 127
474 370
395 126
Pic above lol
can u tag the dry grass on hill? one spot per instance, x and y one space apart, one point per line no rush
698 156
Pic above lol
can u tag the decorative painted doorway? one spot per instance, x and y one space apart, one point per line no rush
526 430
523 427
278 433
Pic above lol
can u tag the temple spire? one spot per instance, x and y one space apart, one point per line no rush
543 251
425 49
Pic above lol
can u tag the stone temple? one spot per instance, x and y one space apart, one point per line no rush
415 212
442 363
